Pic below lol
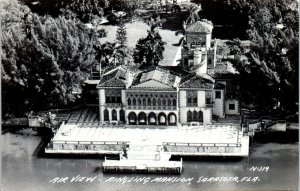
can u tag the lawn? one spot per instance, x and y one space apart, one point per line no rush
138 29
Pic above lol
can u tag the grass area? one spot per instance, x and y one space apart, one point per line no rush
138 29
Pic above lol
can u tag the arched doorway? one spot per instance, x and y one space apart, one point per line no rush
172 119
200 116
162 119
132 118
106 115
114 115
122 115
152 119
142 118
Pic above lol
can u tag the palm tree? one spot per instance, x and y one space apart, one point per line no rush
149 50
194 13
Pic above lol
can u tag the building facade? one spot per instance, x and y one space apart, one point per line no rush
195 92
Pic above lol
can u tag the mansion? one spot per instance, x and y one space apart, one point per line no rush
197 91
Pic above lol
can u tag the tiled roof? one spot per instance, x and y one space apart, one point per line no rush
160 75
195 81
220 73
176 70
113 78
114 82
199 26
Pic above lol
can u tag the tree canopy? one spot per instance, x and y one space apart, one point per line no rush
149 51
269 67
44 59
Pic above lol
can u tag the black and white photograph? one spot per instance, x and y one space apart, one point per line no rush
129 95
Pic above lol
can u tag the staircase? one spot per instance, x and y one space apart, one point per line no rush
143 156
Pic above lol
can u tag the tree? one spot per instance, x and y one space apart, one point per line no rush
149 50
85 10
193 13
121 35
42 68
271 64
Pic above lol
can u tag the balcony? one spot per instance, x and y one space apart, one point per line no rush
114 104
152 107
209 105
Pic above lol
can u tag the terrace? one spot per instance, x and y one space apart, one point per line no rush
215 140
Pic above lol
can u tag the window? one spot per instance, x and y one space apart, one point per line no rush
154 102
200 116
189 116
189 101
169 102
129 101
119 99
158 102
108 99
113 96
174 102
149 101
195 116
192 100
114 115
218 94
208 97
134 101
209 62
106 115
195 101
122 115
231 106
164 102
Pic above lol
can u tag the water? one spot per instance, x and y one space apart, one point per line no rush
24 169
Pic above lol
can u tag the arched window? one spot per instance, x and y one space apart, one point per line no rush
122 115
154 102
200 116
144 102
174 102
164 102
189 116
139 102
106 115
114 115
134 102
129 101
158 102
149 101
195 116
169 102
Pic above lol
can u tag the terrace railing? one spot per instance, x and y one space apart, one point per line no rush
152 107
